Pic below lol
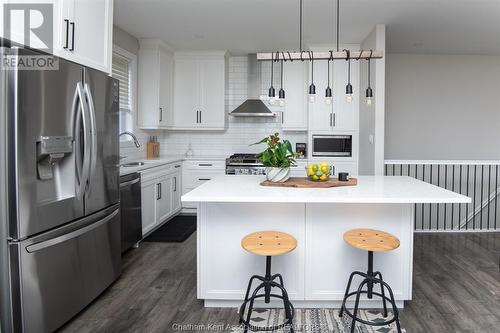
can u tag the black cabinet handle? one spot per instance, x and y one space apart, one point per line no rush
67 34
197 116
161 114
203 178
334 121
177 166
205 164
200 117
331 123
175 184
157 191
72 36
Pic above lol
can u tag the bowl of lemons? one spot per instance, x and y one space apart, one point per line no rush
319 172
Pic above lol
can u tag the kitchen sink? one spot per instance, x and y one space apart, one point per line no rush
133 164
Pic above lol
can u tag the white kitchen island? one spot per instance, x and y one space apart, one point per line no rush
316 273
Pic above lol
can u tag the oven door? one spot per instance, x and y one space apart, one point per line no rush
332 145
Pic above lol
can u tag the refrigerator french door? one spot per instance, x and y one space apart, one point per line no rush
61 240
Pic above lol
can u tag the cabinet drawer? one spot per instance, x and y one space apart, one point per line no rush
194 179
205 165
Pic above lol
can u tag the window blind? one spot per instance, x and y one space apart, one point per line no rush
121 72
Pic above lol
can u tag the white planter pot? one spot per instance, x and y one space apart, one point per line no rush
277 175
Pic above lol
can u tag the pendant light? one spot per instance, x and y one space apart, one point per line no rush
328 91
281 93
272 92
348 87
369 91
312 87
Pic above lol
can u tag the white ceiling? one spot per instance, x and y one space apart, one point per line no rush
248 26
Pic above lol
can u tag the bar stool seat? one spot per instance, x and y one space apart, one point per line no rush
372 241
268 244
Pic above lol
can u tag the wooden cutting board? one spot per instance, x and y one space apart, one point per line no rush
304 182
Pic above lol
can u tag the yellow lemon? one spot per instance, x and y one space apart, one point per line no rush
323 176
323 164
314 177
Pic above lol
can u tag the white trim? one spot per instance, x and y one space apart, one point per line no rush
443 162
127 142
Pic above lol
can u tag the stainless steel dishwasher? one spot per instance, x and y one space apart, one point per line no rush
130 206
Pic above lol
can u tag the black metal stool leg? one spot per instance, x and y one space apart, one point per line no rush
382 292
394 307
369 294
279 277
242 309
250 306
356 305
286 302
341 311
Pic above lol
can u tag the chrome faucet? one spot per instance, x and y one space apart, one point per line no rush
136 142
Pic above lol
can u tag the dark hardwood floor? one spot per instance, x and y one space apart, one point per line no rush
456 289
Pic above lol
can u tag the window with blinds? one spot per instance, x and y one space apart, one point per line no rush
121 71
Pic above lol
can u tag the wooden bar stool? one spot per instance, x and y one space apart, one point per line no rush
268 244
370 240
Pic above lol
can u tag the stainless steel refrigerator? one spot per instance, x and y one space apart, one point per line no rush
59 192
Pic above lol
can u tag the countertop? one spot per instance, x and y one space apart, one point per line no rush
370 189
156 162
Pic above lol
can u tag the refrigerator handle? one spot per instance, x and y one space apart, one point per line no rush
93 135
54 241
81 117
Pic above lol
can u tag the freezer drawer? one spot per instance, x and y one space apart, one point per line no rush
64 271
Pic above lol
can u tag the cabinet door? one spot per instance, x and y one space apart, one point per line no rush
164 202
176 191
212 93
294 115
321 114
165 88
346 114
148 206
148 111
186 93
93 24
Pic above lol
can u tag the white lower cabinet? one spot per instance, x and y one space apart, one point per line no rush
197 172
160 195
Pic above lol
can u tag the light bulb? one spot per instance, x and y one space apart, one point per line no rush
369 101
312 98
272 101
348 98
328 100
282 102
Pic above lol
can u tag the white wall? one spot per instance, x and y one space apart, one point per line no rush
442 107
371 118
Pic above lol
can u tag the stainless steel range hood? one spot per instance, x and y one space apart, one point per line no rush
253 106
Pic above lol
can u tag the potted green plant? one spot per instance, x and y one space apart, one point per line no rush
277 158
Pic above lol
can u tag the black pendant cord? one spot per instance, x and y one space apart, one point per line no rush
311 58
272 70
369 71
281 84
338 23
300 25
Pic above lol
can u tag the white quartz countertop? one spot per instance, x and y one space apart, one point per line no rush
156 162
370 189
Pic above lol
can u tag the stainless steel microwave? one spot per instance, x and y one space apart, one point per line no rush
332 145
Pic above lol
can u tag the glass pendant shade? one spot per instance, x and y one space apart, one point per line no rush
369 96
348 91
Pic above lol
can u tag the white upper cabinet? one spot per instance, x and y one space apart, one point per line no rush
82 30
340 115
294 113
155 88
199 91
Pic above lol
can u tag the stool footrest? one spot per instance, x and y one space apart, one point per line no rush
287 322
366 322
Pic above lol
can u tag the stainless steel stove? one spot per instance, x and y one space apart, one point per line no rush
244 164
